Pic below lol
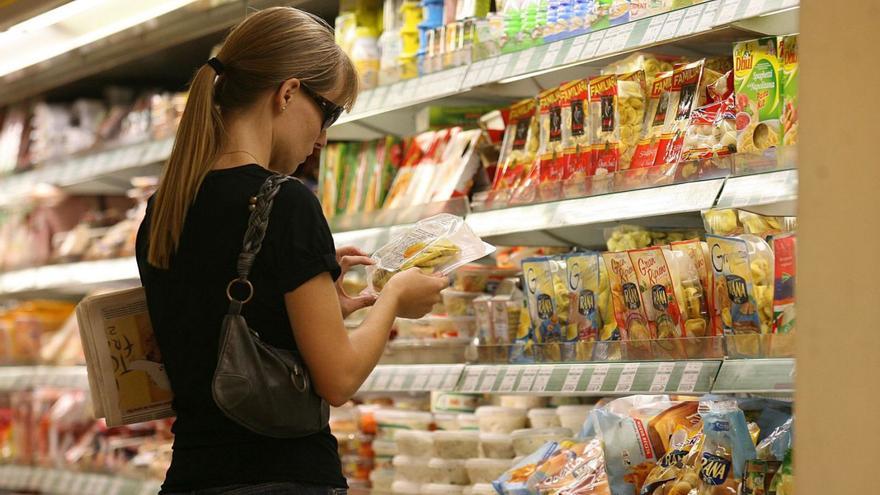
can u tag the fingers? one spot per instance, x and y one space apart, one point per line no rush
349 251
346 262
359 302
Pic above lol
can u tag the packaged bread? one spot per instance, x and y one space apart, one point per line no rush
519 148
684 96
626 297
437 244
655 119
575 159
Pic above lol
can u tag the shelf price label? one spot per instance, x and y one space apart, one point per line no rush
509 380
627 377
653 30
451 380
381 382
542 379
473 74
755 7
116 486
707 19
661 377
597 379
471 380
690 376
501 67
592 45
397 381
435 380
573 378
689 22
522 62
419 381
527 379
670 27
488 382
549 59
574 51
728 12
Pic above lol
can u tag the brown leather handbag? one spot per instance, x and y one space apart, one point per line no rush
263 388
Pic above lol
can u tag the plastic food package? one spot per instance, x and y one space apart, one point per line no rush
582 290
525 441
497 419
722 222
743 268
632 96
486 470
497 446
568 332
518 149
661 302
788 53
448 471
522 401
541 299
692 287
726 448
550 141
468 421
628 309
710 133
471 278
390 421
684 96
431 327
506 312
402 487
442 401
784 275
609 331
543 417
438 244
582 473
414 443
576 159
456 444
763 226
655 120
765 474
458 303
447 421
604 128
721 89
515 480
412 469
652 64
758 94
483 315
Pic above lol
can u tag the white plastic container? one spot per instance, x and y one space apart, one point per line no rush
448 471
401 487
486 470
456 444
468 421
390 421
441 489
527 441
573 417
387 448
497 445
483 489
414 443
413 469
446 421
498 419
522 401
543 417
453 402
381 479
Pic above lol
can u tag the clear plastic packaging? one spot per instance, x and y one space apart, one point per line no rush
483 314
576 159
486 470
518 149
448 471
573 416
468 421
381 480
497 445
453 402
528 440
497 419
549 174
483 489
390 421
402 487
441 489
427 351
430 327
628 309
604 128
412 469
544 417
438 244
522 401
684 96
582 291
414 443
456 444
447 421
631 98
722 222
459 303
390 448
471 278
658 293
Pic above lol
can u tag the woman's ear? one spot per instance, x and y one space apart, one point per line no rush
285 93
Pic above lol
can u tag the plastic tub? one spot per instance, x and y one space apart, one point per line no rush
497 419
573 417
456 444
543 417
414 443
382 479
522 401
389 421
453 402
465 326
486 470
448 471
447 421
528 440
401 487
497 445
413 469
388 448
426 351
483 489
441 489
459 303
468 421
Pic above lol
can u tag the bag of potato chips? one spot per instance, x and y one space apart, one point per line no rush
438 244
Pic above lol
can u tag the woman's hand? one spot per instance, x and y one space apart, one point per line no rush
349 257
415 292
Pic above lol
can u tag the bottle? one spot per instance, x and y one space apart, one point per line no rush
366 58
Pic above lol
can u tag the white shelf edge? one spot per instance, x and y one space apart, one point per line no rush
69 275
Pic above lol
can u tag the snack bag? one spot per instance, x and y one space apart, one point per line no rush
550 145
568 331
726 448
744 265
692 303
581 474
576 160
604 128
722 222
684 96
609 333
697 306
758 94
655 119
763 226
629 312
631 94
522 141
515 481
438 244
711 133
679 461
788 53
541 299
582 290
658 295
554 466
784 273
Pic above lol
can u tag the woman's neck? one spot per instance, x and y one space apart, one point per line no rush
247 139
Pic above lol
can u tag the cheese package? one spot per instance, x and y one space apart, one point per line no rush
743 269
576 160
788 53
655 119
604 128
550 140
684 96
518 150
758 94
628 309
582 291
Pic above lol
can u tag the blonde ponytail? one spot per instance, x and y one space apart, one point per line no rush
264 50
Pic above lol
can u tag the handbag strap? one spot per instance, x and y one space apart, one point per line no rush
261 208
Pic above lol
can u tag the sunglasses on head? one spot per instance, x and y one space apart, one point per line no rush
330 110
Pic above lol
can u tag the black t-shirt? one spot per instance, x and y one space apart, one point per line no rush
187 303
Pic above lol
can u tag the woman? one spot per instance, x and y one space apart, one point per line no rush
260 107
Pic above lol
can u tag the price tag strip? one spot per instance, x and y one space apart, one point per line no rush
653 30
549 58
542 379
661 377
509 381
627 377
471 379
597 378
574 51
728 12
592 45
690 376
670 27
573 378
487 384
528 379
692 16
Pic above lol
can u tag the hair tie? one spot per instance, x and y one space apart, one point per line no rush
216 64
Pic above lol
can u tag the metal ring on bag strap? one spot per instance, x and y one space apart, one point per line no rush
247 283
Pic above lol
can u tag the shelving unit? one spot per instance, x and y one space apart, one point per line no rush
17 478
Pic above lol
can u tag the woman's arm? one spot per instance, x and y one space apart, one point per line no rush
339 361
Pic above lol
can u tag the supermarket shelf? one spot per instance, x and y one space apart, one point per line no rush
562 222
695 30
71 278
14 378
773 193
756 376
17 478
413 378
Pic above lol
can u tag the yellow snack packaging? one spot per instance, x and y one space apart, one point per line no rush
658 292
607 347
541 301
518 149
629 311
582 292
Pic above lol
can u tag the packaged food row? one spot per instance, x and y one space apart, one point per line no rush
39 332
659 445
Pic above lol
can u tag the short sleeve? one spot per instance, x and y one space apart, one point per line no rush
304 247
